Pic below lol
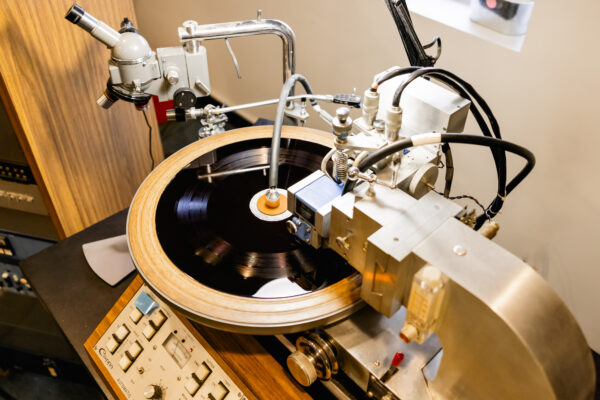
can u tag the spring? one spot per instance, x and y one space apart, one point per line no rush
340 165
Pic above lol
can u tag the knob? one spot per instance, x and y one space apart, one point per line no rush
291 227
302 368
314 358
105 101
153 392
184 98
172 77
342 123
342 113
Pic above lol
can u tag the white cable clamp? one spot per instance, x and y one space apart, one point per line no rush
426 138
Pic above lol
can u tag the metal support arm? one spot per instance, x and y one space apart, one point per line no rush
254 27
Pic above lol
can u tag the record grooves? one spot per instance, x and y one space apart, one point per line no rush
209 232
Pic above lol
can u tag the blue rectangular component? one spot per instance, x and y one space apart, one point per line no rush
320 192
145 304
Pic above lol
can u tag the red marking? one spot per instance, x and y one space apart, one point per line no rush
160 108
398 358
491 3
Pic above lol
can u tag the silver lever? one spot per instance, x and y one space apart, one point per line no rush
235 61
354 173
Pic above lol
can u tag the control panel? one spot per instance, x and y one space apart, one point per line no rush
12 280
13 248
148 352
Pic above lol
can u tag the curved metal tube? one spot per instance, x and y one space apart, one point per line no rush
288 87
249 28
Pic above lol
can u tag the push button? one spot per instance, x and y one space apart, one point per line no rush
135 315
125 363
112 345
134 350
121 333
219 392
192 385
148 332
158 319
203 372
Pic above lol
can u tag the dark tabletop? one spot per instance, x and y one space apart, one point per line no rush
76 297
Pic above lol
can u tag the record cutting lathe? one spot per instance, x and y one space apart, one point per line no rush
337 242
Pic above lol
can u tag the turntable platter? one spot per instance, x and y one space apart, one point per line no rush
201 248
208 231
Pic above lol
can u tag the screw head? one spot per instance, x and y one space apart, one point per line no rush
459 250
353 173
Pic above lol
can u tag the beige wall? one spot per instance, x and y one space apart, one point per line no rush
544 97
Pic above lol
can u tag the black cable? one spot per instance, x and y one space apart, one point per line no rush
436 72
463 87
149 139
408 81
456 86
449 169
392 74
499 156
395 147
464 196
412 45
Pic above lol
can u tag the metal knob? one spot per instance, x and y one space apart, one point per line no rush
302 368
342 113
172 77
153 392
105 101
342 123
272 198
291 227
314 358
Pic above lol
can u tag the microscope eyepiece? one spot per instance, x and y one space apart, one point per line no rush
90 24
75 14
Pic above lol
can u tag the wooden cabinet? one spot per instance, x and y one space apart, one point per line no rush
87 161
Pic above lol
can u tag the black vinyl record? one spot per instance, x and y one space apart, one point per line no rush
208 231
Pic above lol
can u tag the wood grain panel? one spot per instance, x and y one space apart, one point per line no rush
253 365
88 161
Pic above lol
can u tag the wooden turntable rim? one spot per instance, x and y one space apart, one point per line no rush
207 305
